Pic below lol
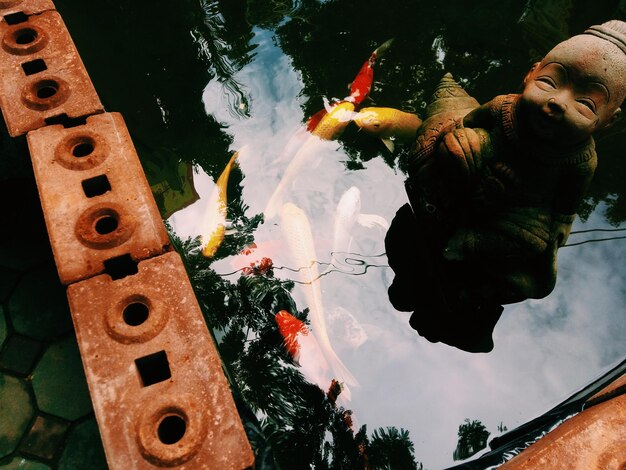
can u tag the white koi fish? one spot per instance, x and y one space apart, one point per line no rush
348 213
297 232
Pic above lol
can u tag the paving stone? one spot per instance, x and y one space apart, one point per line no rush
97 202
22 463
45 437
38 306
28 7
593 439
59 381
43 77
19 354
83 450
156 379
3 326
15 402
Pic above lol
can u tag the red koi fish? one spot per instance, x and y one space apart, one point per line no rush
359 91
291 329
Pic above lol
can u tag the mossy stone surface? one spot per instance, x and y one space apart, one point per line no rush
15 403
3 327
59 381
45 437
38 306
22 463
83 449
19 354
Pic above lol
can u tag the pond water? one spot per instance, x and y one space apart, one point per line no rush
200 80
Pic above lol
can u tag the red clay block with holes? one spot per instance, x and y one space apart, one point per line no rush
26 7
96 200
594 439
156 380
42 76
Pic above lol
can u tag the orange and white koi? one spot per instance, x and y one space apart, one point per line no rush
214 224
388 123
305 351
297 231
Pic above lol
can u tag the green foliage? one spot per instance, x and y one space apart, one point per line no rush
392 449
473 437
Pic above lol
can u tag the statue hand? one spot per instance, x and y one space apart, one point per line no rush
464 145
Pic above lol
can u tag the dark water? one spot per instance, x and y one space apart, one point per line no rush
197 81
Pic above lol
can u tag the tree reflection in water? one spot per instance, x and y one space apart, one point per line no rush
290 422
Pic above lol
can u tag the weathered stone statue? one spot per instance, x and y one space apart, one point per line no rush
494 189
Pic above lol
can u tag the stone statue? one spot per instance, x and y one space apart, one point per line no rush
494 189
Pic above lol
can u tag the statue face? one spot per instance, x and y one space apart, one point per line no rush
571 93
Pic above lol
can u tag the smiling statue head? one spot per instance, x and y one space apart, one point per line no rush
578 87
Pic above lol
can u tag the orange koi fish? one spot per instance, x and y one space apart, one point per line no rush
214 224
330 122
389 124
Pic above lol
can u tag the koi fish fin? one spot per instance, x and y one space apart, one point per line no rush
369 220
389 144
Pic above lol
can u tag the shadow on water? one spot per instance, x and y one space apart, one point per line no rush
167 65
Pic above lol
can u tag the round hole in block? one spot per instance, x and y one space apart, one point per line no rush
136 313
46 89
106 224
45 94
83 149
25 36
171 429
23 40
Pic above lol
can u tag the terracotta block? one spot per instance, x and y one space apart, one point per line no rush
594 439
27 7
159 393
44 80
614 388
95 197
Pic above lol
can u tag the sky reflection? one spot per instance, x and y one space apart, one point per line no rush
544 349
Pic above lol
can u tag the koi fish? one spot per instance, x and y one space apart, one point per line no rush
214 224
327 124
348 213
360 88
297 231
304 350
388 124
291 329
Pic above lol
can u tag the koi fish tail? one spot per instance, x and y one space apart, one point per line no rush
380 50
342 373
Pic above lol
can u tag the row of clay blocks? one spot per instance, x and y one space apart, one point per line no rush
159 393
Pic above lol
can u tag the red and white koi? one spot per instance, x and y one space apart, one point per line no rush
304 350
327 124
297 232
